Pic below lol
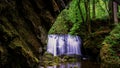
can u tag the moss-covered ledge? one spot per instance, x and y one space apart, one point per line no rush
110 51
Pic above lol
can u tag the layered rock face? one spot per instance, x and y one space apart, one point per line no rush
23 30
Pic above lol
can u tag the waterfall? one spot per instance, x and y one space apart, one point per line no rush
61 44
52 44
73 45
64 45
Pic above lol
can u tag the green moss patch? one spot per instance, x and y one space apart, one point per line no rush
110 52
61 25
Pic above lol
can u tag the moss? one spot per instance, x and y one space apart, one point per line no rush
17 44
110 50
13 42
23 30
47 56
1 49
61 24
68 21
75 66
57 59
72 60
49 59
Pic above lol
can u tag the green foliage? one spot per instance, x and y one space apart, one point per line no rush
69 20
110 50
101 9
61 24
73 12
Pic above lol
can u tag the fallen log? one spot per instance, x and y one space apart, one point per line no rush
95 34
101 32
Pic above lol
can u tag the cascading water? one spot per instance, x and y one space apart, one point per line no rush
64 45
61 45
73 45
52 44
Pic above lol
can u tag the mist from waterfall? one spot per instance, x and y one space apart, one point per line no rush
64 45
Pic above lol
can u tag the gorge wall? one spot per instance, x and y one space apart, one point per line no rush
24 25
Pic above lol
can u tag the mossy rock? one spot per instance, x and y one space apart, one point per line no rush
47 57
72 60
75 66
61 25
14 46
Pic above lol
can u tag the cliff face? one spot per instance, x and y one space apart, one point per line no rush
23 30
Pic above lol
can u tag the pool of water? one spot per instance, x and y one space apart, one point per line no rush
82 64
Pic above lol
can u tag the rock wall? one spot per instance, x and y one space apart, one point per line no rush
24 25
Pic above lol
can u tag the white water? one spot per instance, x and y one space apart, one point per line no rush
64 45
52 40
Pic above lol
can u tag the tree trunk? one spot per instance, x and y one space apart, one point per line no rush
87 6
93 6
110 6
83 20
115 10
117 1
